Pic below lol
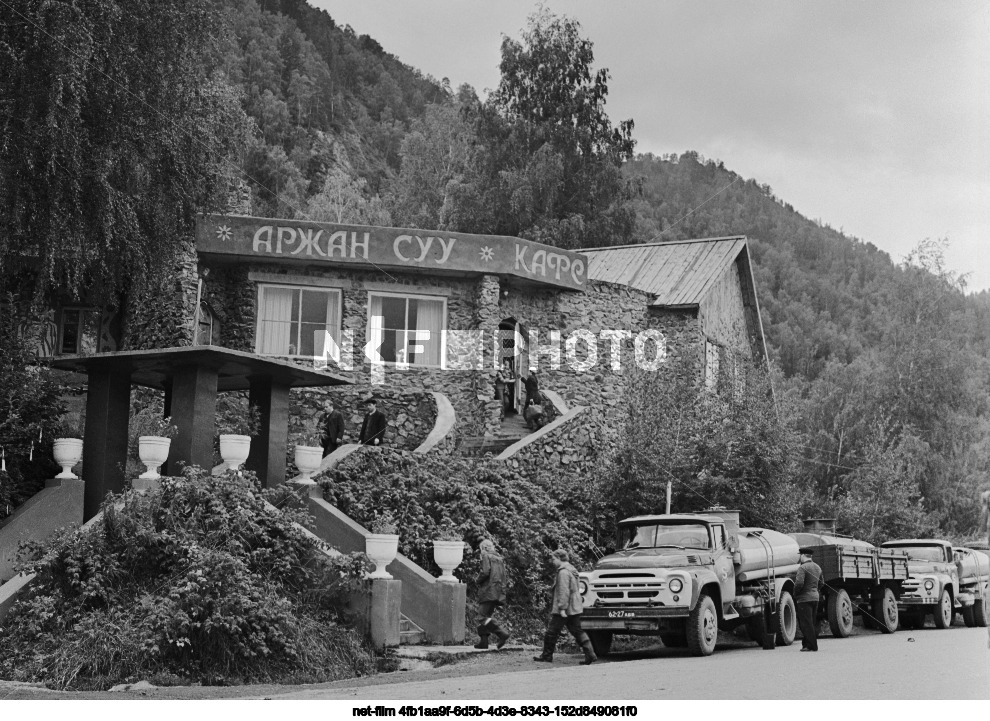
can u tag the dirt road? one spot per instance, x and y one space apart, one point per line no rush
926 664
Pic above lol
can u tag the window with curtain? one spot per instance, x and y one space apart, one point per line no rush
407 328
291 317
79 330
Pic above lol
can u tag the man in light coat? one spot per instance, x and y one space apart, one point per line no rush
566 608
491 595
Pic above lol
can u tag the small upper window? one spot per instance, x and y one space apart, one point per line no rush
79 331
207 326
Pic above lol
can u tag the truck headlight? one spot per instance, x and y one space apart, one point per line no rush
583 586
929 585
676 585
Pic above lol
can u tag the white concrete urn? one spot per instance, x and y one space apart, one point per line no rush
308 460
153 452
448 556
234 449
67 453
381 548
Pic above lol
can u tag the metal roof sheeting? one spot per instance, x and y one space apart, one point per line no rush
678 273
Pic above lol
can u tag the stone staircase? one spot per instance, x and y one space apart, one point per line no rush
409 633
513 428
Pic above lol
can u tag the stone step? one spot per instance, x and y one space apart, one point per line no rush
409 632
478 446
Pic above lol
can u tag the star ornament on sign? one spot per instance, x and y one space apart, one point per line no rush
223 232
487 253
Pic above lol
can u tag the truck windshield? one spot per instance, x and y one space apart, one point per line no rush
921 553
664 535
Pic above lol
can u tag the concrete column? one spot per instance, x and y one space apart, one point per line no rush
447 626
108 400
377 608
193 405
268 449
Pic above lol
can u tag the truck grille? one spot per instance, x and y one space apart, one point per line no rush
616 591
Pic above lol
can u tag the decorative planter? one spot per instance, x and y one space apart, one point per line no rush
308 460
153 452
448 555
381 549
67 453
234 450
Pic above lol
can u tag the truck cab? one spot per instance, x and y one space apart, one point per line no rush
682 577
933 584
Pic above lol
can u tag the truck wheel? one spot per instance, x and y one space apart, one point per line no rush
943 611
840 613
674 639
786 619
884 612
967 614
702 627
601 641
980 610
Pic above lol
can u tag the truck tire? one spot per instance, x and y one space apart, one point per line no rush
913 620
674 639
840 613
601 641
943 611
885 614
967 614
980 610
702 627
786 619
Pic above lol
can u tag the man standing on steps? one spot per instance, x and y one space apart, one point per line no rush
566 608
375 424
808 585
333 429
491 594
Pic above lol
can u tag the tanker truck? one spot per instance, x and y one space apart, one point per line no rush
683 577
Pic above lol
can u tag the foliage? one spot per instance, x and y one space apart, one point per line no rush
448 531
109 146
384 523
526 517
717 446
203 580
236 416
30 411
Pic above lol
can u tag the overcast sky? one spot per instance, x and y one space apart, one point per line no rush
871 116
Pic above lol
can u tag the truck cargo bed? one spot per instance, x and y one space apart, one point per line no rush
845 563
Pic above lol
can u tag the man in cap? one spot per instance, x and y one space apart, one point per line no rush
375 424
808 586
566 608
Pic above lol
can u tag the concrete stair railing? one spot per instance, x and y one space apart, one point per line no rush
58 505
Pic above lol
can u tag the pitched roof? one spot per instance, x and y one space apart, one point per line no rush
678 273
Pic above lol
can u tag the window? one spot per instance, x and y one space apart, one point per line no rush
720 540
79 330
290 317
207 326
407 329
711 365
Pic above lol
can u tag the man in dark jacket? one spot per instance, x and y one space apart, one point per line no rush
375 423
808 585
333 429
533 394
566 608
491 594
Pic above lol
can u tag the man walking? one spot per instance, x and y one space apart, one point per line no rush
808 585
374 425
491 595
566 608
333 429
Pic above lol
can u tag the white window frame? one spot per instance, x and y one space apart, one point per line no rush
336 321
80 325
413 296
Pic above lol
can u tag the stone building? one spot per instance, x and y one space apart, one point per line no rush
412 315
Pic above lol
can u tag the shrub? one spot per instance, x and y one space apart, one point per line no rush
202 581
482 498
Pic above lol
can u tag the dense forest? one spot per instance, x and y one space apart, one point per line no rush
879 366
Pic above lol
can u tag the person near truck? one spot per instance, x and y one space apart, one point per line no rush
491 594
808 586
566 608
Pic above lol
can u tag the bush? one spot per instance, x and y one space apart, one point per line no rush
202 581
427 493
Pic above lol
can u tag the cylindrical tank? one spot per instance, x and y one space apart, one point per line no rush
754 553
